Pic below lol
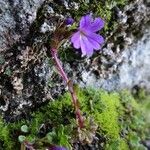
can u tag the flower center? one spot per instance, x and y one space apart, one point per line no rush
82 33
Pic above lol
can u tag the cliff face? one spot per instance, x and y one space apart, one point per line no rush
16 19
29 80
27 75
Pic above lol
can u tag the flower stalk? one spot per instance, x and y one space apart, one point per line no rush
69 83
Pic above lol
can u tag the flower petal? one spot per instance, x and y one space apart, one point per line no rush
75 39
86 47
96 37
95 44
96 25
54 147
85 21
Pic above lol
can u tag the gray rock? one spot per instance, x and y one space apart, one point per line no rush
28 78
16 16
133 68
123 63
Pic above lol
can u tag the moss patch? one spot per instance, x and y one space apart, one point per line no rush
121 121
103 9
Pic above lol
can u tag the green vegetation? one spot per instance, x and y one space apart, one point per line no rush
99 8
119 118
104 9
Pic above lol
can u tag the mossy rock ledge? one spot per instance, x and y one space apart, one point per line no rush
121 120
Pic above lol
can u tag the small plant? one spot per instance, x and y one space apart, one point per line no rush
59 137
51 141
86 39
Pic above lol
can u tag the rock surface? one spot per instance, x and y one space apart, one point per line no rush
131 68
28 78
16 16
124 60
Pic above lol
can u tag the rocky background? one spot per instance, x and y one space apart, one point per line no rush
28 78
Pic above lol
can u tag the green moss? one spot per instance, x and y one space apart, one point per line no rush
120 119
108 119
119 144
5 136
104 107
117 115
104 9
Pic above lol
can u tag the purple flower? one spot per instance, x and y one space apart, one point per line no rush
69 21
54 147
86 37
